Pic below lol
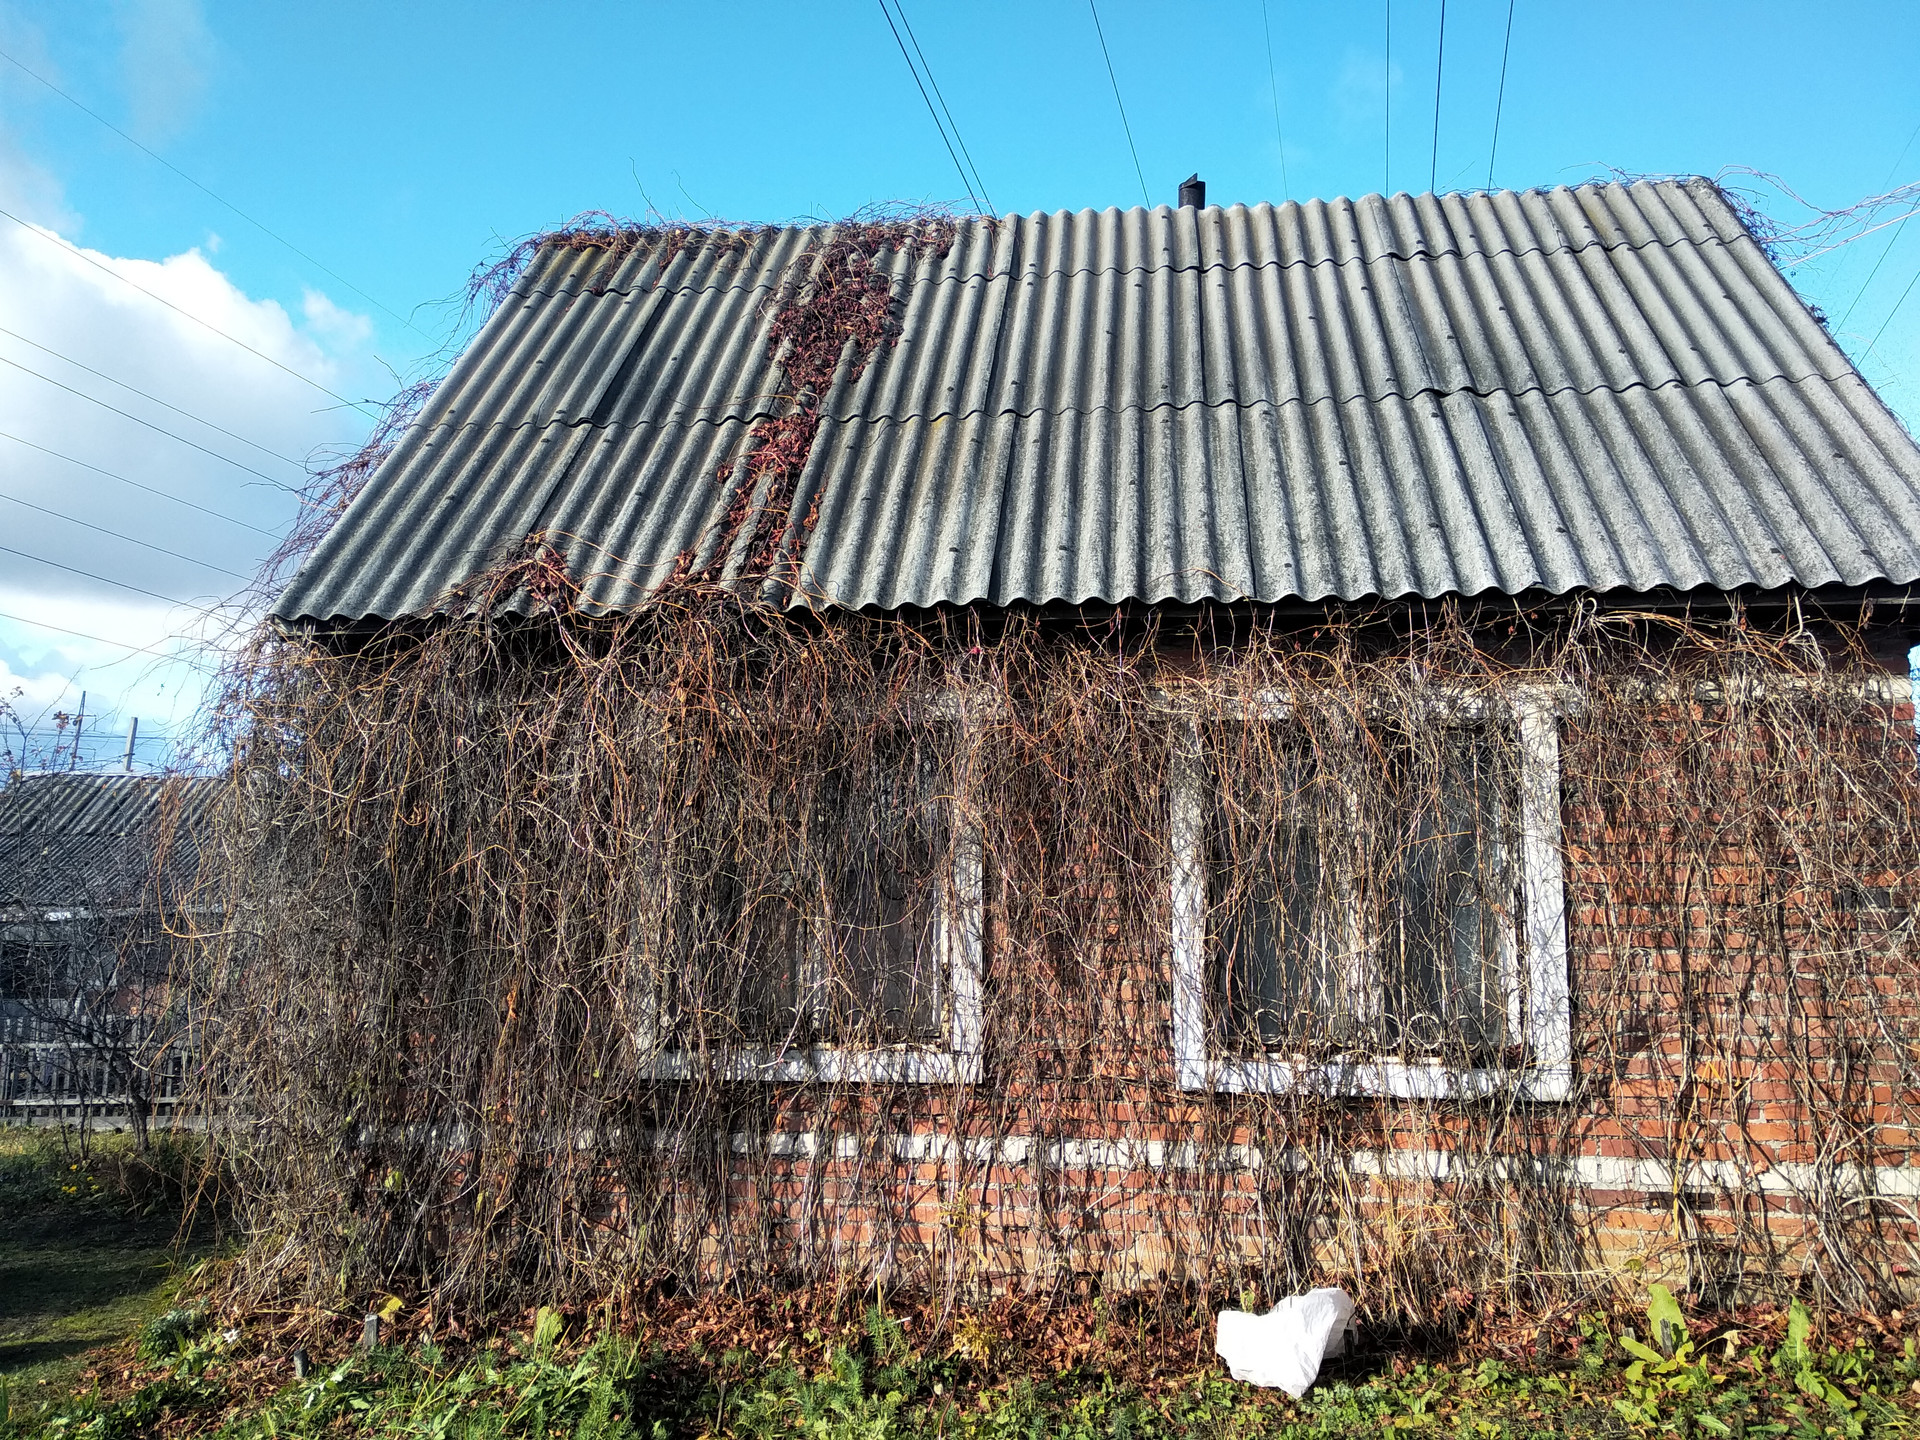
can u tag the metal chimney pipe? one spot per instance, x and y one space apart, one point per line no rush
1193 191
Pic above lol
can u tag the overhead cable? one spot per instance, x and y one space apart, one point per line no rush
1891 239
271 235
968 184
1273 84
1500 103
144 544
151 490
952 124
1439 74
1132 149
80 254
1894 311
1386 77
89 575
83 635
157 429
135 390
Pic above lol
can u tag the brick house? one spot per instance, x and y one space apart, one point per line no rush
1482 853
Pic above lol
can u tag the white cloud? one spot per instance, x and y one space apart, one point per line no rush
61 311
346 329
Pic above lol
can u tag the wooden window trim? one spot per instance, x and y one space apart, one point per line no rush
1539 998
961 926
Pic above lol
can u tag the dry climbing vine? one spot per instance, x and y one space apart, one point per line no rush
515 917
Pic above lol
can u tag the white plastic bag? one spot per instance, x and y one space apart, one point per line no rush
1283 1348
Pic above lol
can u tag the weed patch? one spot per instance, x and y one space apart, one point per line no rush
1769 1375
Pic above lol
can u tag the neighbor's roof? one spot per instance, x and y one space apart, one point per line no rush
93 840
1608 387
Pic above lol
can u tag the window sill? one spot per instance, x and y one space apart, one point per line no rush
826 1065
1395 1079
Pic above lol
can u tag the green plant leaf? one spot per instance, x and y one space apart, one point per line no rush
1634 1347
1664 1320
1799 1326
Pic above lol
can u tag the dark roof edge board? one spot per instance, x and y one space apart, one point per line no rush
1889 604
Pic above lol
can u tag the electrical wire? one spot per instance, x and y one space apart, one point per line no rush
1893 312
157 429
83 635
144 544
1439 73
135 390
80 254
1861 292
151 490
1132 149
1386 78
952 124
1273 84
89 575
1891 239
930 110
281 239
1500 104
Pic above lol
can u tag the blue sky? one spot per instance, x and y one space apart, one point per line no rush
399 145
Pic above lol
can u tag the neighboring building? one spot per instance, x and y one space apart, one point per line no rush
1598 417
92 868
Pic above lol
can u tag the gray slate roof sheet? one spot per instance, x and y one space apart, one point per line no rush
94 840
1608 387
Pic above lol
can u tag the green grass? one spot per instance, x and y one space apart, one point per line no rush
87 1260
87 1250
539 1384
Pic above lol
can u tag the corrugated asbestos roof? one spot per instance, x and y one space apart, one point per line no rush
92 840
1601 388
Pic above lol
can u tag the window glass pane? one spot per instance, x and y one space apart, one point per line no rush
883 936
1450 897
1277 937
735 968
819 925
886 940
1360 899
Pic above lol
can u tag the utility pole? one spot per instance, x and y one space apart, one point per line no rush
79 723
133 733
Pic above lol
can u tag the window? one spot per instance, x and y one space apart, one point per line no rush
1386 925
853 955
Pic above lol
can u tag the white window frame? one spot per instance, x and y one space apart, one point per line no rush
1539 999
960 926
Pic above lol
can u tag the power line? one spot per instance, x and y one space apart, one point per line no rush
1273 84
151 490
1893 312
1500 103
1858 294
1386 77
80 254
205 191
101 374
83 635
1144 196
1891 239
1439 72
145 544
88 574
952 124
157 429
968 184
